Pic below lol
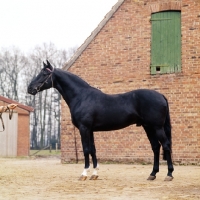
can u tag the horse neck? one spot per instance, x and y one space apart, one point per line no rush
69 85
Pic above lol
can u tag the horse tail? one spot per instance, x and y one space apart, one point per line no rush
167 129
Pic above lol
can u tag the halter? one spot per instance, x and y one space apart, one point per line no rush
50 75
4 109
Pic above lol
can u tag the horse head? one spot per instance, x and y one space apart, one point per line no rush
42 81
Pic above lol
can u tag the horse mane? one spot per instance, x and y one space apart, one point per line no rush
77 79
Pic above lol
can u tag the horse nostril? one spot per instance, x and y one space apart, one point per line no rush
30 91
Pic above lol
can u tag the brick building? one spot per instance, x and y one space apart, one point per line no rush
152 44
11 138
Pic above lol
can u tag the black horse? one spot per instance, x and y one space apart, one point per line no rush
92 110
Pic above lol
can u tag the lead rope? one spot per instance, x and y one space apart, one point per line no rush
75 145
2 122
10 114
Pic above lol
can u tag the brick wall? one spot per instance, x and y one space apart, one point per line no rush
118 60
23 137
23 141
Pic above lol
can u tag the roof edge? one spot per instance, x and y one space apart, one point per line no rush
28 108
93 35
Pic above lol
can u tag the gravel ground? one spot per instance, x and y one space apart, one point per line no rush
42 179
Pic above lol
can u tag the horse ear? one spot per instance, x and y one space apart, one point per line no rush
49 65
44 65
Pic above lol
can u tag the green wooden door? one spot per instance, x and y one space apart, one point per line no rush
166 42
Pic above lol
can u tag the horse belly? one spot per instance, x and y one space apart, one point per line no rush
113 122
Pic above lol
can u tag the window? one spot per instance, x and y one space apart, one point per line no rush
166 42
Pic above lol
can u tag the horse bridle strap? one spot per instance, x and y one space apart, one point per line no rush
50 75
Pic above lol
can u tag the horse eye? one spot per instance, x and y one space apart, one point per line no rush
46 72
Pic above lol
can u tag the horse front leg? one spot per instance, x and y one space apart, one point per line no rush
94 158
86 169
85 139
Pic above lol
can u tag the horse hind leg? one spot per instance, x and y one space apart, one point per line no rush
156 151
167 151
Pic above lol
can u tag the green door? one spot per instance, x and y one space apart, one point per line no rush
166 42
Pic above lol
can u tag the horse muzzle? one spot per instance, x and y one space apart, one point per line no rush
32 91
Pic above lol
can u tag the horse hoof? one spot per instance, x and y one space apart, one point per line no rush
82 178
151 178
168 178
94 177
